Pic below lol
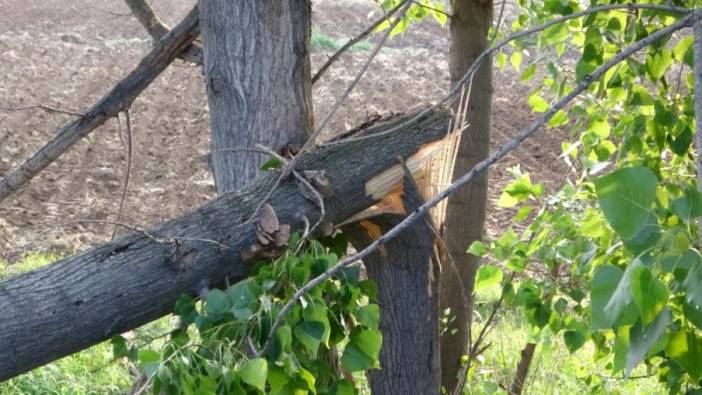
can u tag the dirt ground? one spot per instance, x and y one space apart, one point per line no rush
67 54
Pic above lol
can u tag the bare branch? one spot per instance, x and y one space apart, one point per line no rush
355 41
118 99
145 14
44 108
128 165
483 165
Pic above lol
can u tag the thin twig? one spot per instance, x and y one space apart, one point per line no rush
45 108
428 7
128 165
527 32
355 41
320 203
160 240
483 165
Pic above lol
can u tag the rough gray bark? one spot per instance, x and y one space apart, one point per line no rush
117 100
465 212
407 276
124 284
257 70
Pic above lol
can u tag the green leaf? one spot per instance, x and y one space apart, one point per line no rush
686 349
278 379
649 293
282 342
501 59
516 60
693 286
658 63
693 314
621 309
342 387
310 334
119 346
254 373
554 34
688 206
272 164
488 276
600 127
625 197
242 300
369 315
216 302
573 340
560 118
603 285
643 338
362 351
148 356
682 48
537 103
528 73
477 248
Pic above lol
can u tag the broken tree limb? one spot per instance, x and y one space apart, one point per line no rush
117 100
145 14
85 299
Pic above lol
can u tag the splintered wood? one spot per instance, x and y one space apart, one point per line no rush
432 169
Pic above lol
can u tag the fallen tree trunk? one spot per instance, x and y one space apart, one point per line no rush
118 99
118 286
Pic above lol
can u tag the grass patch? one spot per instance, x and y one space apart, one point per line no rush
553 369
323 42
91 371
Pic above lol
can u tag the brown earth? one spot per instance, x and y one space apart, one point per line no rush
67 54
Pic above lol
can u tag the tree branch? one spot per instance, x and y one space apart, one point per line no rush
355 41
145 14
117 100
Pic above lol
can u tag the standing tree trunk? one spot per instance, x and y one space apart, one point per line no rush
258 78
406 272
465 213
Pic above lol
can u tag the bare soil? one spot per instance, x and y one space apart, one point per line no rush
67 54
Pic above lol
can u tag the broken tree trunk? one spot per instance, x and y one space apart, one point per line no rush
407 274
121 285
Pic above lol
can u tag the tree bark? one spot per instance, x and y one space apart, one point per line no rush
257 68
117 100
465 212
522 369
406 273
124 284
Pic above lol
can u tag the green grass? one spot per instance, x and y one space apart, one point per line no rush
323 42
92 371
553 369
